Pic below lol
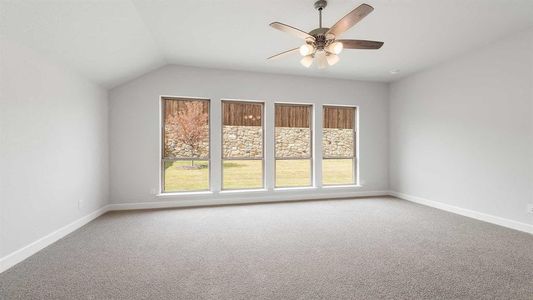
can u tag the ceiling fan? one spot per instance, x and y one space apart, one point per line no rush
322 43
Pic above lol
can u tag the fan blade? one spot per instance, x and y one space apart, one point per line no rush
360 44
291 30
350 19
279 55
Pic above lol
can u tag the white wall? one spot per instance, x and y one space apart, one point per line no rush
134 126
53 147
462 133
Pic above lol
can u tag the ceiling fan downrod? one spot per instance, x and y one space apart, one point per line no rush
320 5
322 43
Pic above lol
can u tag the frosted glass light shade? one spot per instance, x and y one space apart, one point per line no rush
321 59
332 59
307 61
306 49
335 47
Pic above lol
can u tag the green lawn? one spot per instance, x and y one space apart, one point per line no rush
337 171
179 179
291 173
243 174
247 174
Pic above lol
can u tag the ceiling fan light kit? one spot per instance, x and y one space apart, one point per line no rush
332 59
307 49
307 61
321 44
335 47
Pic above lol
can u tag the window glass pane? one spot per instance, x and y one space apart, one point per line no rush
242 145
293 173
242 130
186 175
339 117
186 128
185 137
293 131
337 171
338 145
293 142
293 145
243 174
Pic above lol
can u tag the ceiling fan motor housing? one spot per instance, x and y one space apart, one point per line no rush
320 41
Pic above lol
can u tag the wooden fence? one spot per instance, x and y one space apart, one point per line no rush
286 115
173 105
242 114
293 115
339 117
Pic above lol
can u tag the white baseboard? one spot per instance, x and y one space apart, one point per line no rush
467 212
14 258
242 199
21 254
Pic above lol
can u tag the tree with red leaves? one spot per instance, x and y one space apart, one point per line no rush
190 126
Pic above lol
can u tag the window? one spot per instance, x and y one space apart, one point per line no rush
185 157
293 144
338 145
242 145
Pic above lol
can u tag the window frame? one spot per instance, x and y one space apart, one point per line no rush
355 156
162 158
311 146
222 159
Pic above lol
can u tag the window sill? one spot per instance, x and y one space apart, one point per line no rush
342 186
242 191
296 188
281 189
183 194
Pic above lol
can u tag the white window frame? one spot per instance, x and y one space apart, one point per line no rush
355 158
222 159
311 147
162 158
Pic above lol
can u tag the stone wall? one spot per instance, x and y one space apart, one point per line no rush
243 141
246 142
292 142
337 142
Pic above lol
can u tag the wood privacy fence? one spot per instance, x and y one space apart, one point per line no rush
242 114
339 117
286 115
293 115
173 105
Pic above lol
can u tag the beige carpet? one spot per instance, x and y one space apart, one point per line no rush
374 248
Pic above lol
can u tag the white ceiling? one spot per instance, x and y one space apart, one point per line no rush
112 41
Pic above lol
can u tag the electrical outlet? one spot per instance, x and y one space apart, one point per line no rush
530 208
80 203
153 191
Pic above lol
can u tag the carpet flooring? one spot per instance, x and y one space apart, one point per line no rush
372 248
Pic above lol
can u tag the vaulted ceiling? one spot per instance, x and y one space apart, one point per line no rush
112 41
